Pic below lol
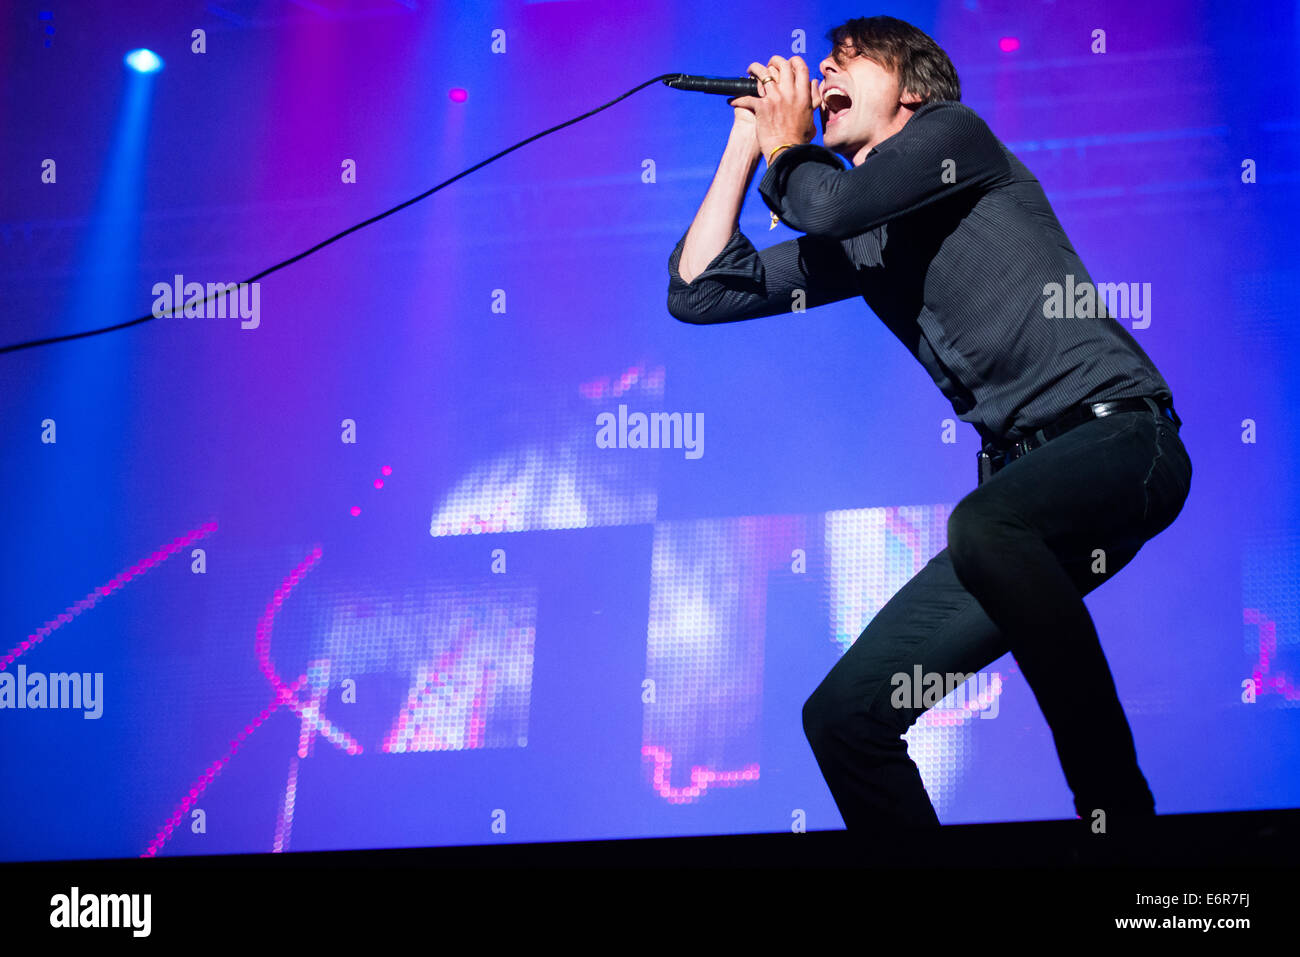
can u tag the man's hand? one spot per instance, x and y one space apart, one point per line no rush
783 110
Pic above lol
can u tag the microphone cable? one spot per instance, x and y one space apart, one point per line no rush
337 236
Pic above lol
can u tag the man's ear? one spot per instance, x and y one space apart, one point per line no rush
911 100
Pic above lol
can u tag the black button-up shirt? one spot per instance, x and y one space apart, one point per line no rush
952 243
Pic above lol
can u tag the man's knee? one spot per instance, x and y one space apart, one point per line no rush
817 717
827 716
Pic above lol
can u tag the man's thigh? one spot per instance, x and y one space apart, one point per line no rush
931 622
1083 494
1089 481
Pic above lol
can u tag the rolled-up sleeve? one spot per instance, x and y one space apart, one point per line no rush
944 149
743 283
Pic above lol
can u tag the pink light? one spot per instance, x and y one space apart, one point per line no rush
386 470
356 509
701 777
1009 44
103 591
379 483
1267 649
285 694
458 95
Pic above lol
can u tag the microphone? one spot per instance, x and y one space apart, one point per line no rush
725 85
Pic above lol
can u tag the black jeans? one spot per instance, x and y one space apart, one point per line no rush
1023 549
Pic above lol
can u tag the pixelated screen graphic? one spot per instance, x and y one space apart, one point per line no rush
557 477
449 533
704 650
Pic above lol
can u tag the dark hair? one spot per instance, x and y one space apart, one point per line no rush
920 63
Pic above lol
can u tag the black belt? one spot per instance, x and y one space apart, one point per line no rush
992 458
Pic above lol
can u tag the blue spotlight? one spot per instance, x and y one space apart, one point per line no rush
143 61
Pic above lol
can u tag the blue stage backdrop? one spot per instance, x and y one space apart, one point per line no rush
354 564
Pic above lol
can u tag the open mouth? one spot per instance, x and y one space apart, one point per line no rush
836 103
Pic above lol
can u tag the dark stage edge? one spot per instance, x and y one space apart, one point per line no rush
960 883
1268 838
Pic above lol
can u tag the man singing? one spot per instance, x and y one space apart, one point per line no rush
952 243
